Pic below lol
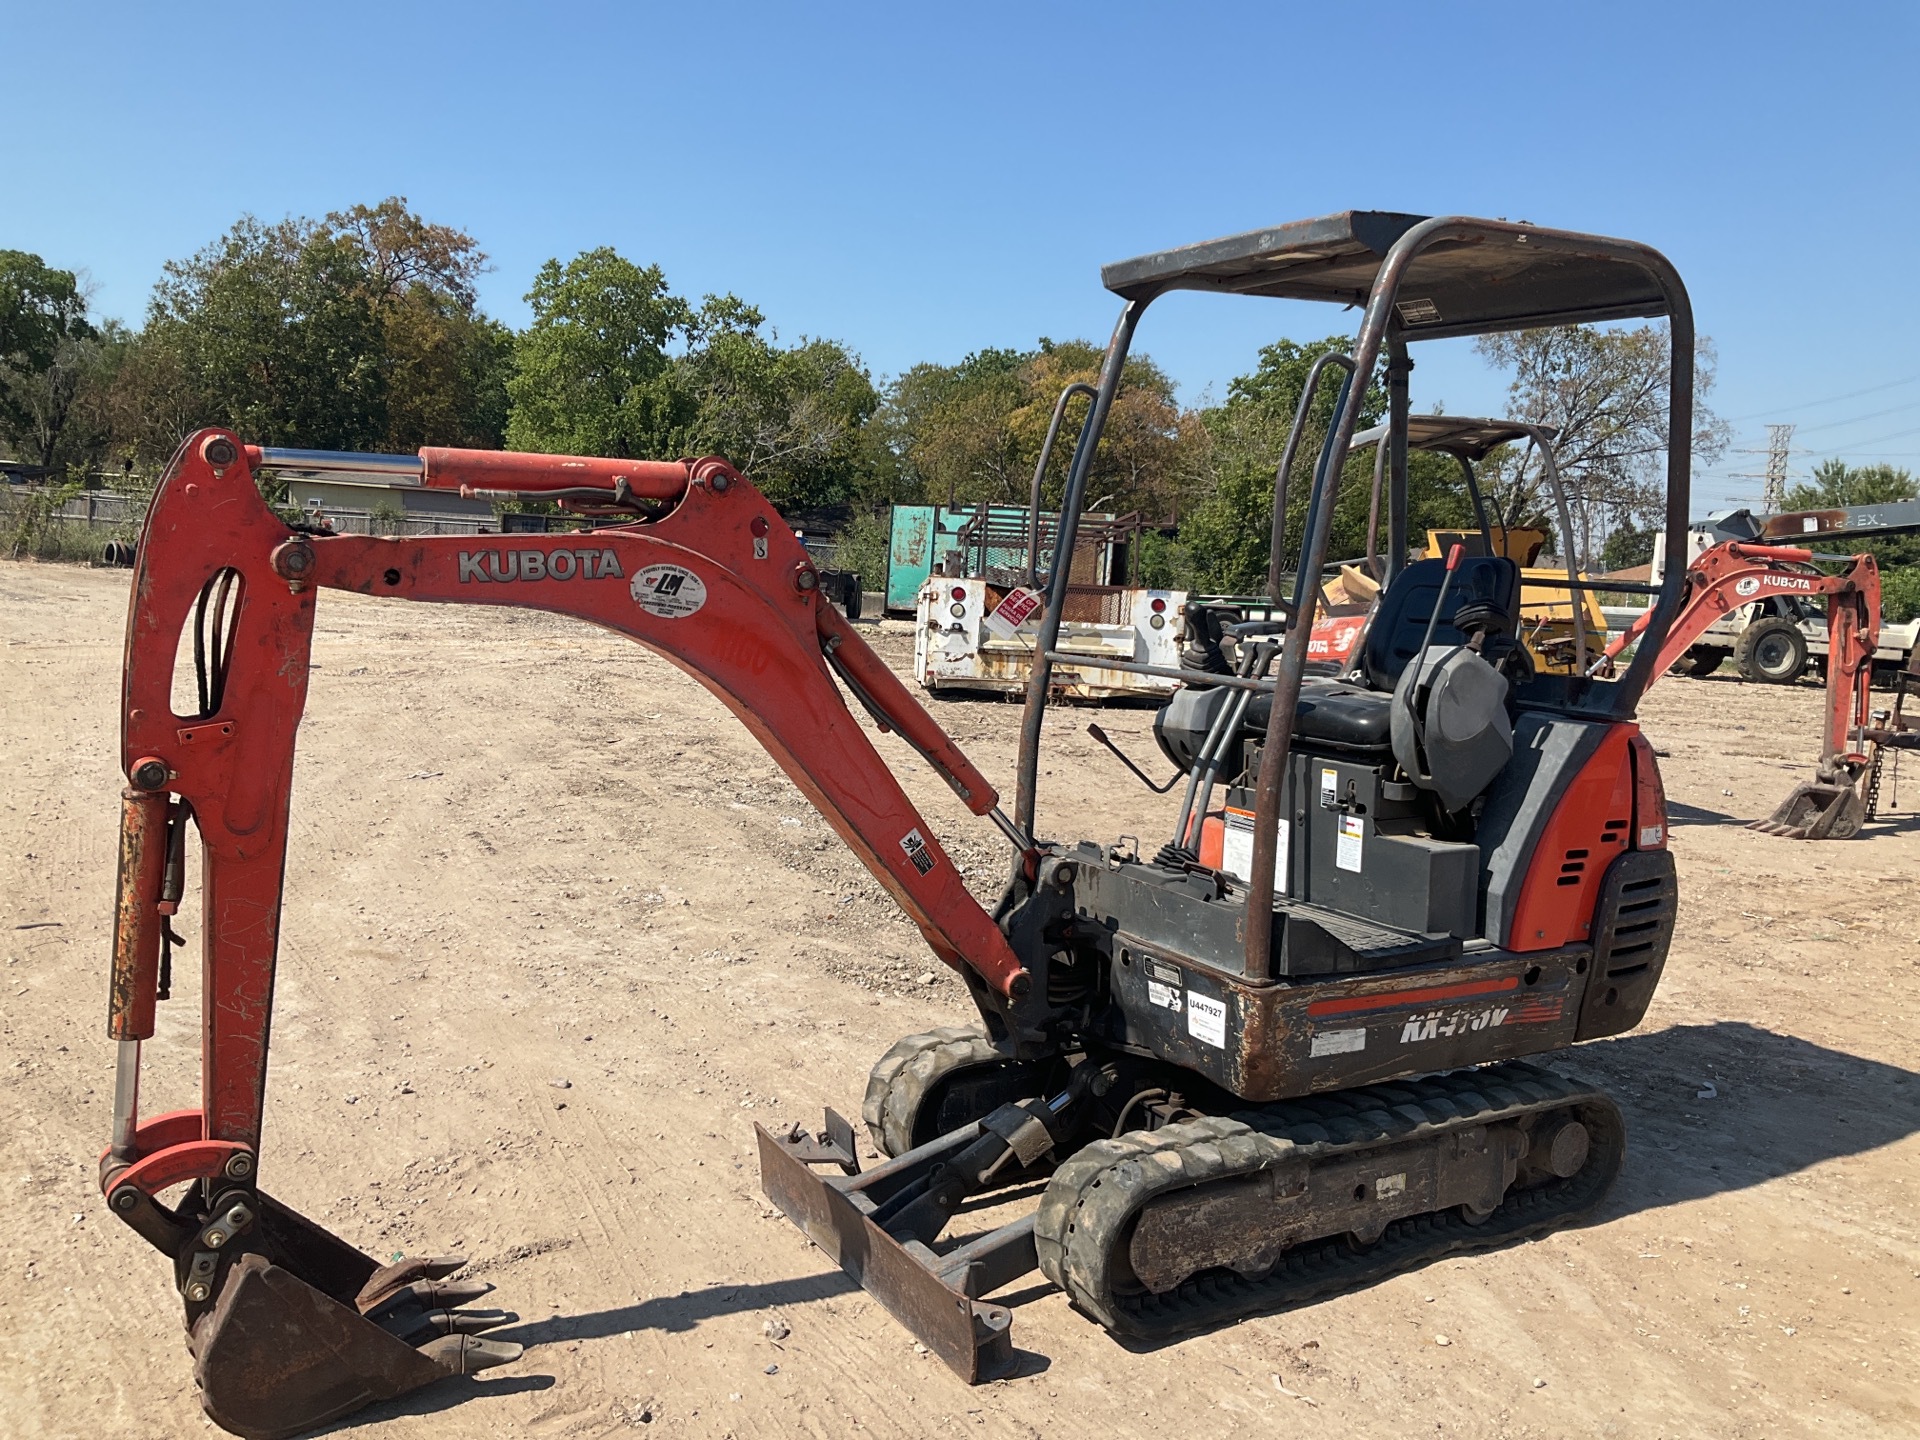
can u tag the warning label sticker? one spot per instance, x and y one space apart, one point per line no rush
1347 850
915 846
1013 612
1339 1042
1207 1020
672 592
1236 849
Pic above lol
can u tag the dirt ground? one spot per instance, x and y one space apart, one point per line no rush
557 932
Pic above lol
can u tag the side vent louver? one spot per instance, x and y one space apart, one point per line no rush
1632 929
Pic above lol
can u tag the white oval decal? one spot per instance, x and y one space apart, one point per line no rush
670 591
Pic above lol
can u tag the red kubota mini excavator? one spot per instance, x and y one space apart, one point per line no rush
1279 1056
1840 797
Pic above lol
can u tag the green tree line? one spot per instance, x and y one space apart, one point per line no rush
362 330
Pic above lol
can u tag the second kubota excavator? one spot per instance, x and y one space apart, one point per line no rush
1839 799
1280 1055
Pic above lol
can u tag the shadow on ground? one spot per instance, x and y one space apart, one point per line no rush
442 1395
679 1312
1678 814
1778 1105
1710 1109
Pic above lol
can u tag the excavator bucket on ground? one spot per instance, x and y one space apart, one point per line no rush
1817 810
290 1327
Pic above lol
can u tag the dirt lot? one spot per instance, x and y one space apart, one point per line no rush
526 853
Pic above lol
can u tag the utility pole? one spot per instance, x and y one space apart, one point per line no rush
1779 443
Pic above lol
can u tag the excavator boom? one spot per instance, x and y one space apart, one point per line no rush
1736 573
702 571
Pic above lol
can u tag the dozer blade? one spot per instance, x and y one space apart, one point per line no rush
276 1356
1817 810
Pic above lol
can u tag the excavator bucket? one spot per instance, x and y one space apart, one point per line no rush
1817 810
303 1329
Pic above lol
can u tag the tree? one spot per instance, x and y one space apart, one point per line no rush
789 418
1148 447
949 430
590 374
49 351
1224 544
1836 483
271 331
1627 547
973 432
357 332
446 363
1604 392
616 364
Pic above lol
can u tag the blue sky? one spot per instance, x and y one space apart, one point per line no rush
921 182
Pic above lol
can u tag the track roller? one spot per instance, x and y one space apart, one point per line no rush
1201 1222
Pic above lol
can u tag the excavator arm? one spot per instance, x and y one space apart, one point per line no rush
703 571
1734 573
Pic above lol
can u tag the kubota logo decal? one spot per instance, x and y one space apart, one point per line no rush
488 566
1750 584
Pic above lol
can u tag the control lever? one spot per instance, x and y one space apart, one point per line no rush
1097 733
1415 705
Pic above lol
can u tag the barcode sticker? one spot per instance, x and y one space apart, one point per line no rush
1207 1019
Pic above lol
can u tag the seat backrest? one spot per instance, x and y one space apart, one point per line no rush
1400 624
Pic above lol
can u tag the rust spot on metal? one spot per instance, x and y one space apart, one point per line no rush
135 977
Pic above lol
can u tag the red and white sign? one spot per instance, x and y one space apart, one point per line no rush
1015 610
1332 637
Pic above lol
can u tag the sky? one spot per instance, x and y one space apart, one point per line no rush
921 182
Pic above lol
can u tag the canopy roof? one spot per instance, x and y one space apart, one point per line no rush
1455 434
1500 277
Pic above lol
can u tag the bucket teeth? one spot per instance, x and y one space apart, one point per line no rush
425 1295
390 1279
467 1354
415 1329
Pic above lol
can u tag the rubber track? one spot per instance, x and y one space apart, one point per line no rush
1083 1224
900 1080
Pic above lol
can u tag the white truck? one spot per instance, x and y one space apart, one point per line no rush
1775 641
963 639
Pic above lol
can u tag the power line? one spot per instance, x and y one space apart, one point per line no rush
1830 400
1877 440
1857 419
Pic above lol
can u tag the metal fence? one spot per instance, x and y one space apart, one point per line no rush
53 524
101 508
387 522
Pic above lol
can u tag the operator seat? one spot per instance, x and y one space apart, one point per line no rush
1400 625
1337 717
1357 718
